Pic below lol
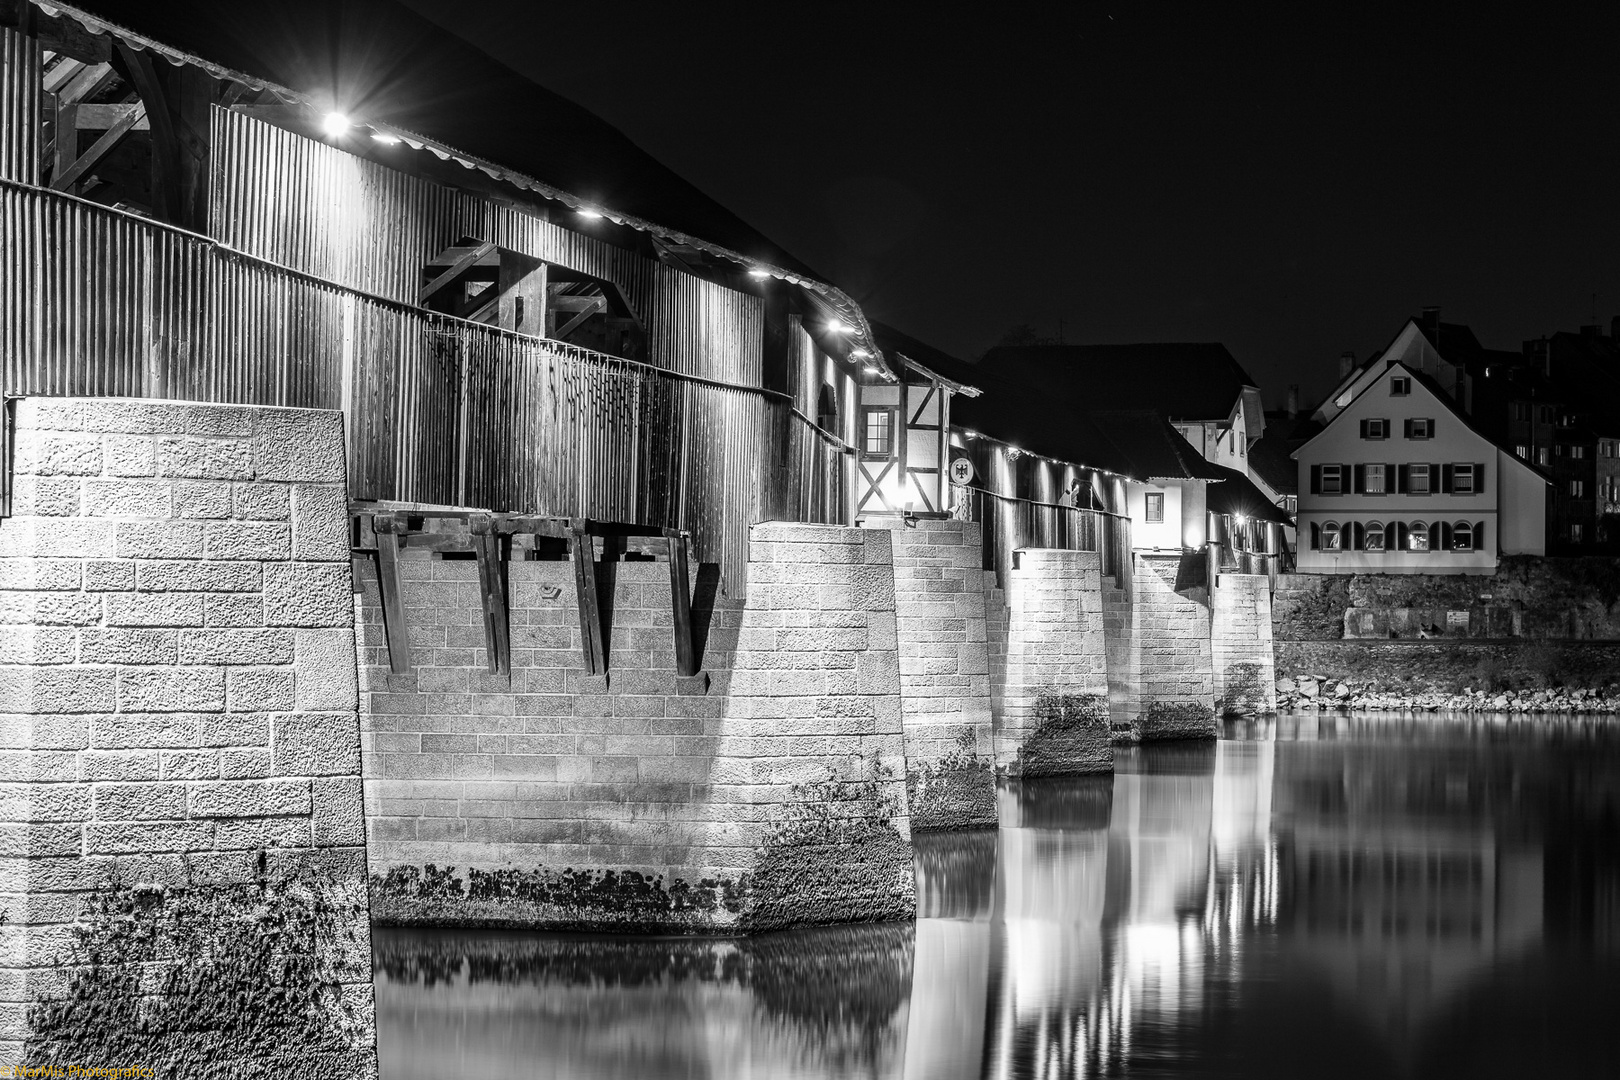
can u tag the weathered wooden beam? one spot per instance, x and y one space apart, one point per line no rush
590 613
89 81
57 33
102 117
492 590
99 149
680 596
165 162
456 269
568 327
392 595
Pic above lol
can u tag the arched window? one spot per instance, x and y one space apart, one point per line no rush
1462 536
1331 536
1417 536
1375 536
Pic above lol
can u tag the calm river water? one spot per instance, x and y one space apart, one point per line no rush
1357 896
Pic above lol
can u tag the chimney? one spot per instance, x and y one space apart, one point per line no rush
1347 363
1431 319
1539 353
1293 401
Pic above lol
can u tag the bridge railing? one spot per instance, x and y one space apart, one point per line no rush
1008 523
99 302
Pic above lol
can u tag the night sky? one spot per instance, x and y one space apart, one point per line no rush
1292 182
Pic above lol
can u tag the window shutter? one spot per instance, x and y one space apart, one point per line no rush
1434 537
1407 428
1402 479
1316 535
1316 485
1358 537
1385 435
1401 535
1445 479
1364 426
1360 478
1434 479
1392 484
1479 477
1445 536
1479 536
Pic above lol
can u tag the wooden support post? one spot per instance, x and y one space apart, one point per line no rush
686 663
492 587
590 614
386 527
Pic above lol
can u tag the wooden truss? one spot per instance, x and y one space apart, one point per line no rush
489 538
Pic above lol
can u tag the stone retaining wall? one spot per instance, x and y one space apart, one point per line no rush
771 792
944 674
1173 663
181 797
1240 645
1054 709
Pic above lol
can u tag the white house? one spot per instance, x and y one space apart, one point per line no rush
1399 482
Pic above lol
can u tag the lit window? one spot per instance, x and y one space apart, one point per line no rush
1417 537
1523 451
1546 414
878 428
1577 532
1463 480
1462 536
1400 386
1332 536
1609 447
1332 479
1417 480
1577 488
1543 456
1375 536
1420 428
1155 507
1373 482
1521 410
1577 452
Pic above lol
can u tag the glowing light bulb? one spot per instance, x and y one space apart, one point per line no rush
335 124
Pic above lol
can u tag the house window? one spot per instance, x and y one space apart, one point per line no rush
1375 429
1462 536
1417 480
1332 536
1546 414
1577 488
1577 452
1373 480
1543 456
1463 480
1577 532
1521 410
1291 503
1420 428
1417 537
1523 451
1609 447
1155 507
1375 536
1400 386
1332 479
877 428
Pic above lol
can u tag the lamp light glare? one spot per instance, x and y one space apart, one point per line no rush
386 139
870 369
759 275
859 354
836 327
590 215
335 124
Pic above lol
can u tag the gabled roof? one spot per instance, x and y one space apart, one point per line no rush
905 351
1269 458
1153 449
1445 402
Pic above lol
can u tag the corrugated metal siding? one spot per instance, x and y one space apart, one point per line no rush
20 64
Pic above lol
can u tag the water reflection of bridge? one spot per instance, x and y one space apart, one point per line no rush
1123 912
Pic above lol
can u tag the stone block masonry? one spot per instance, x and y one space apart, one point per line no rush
1243 665
944 674
181 797
769 794
1172 663
1054 704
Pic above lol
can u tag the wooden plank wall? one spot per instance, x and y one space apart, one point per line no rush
312 303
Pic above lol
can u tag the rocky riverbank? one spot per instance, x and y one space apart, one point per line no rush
1311 691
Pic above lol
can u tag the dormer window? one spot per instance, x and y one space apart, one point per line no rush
1400 386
